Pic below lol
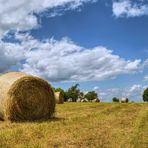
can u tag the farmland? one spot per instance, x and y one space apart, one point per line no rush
104 125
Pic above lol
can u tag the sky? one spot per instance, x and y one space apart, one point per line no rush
100 44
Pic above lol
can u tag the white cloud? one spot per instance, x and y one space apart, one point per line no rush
134 93
20 15
66 61
10 55
128 8
146 78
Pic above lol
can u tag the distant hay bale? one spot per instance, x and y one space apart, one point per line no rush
79 100
84 100
59 97
114 99
124 100
96 100
25 98
69 100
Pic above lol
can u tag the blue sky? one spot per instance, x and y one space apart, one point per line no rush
102 44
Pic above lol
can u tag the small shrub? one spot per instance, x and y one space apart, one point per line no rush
115 99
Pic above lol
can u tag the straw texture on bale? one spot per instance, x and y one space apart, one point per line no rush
24 97
59 97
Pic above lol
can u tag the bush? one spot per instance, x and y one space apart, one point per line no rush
91 95
73 92
145 95
115 99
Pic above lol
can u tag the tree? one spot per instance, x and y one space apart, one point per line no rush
115 99
145 95
73 92
91 95
66 96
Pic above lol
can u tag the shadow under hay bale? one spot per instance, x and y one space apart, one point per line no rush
25 98
53 119
59 97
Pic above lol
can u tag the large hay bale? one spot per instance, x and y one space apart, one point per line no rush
59 97
24 97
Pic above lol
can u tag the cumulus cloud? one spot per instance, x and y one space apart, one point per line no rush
129 8
64 60
10 55
134 93
21 15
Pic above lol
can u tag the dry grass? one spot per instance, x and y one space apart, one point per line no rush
83 125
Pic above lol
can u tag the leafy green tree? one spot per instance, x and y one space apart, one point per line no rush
91 95
73 92
66 96
115 99
145 95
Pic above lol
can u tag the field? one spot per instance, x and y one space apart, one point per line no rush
104 125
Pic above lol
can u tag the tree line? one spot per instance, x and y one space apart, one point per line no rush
75 93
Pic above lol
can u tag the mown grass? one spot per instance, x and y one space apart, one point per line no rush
101 125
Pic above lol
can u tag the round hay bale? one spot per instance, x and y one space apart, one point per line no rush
96 100
69 100
79 100
124 100
84 100
25 98
59 97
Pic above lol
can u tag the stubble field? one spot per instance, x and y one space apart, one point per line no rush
100 125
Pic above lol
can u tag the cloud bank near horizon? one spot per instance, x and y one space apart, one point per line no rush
134 93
